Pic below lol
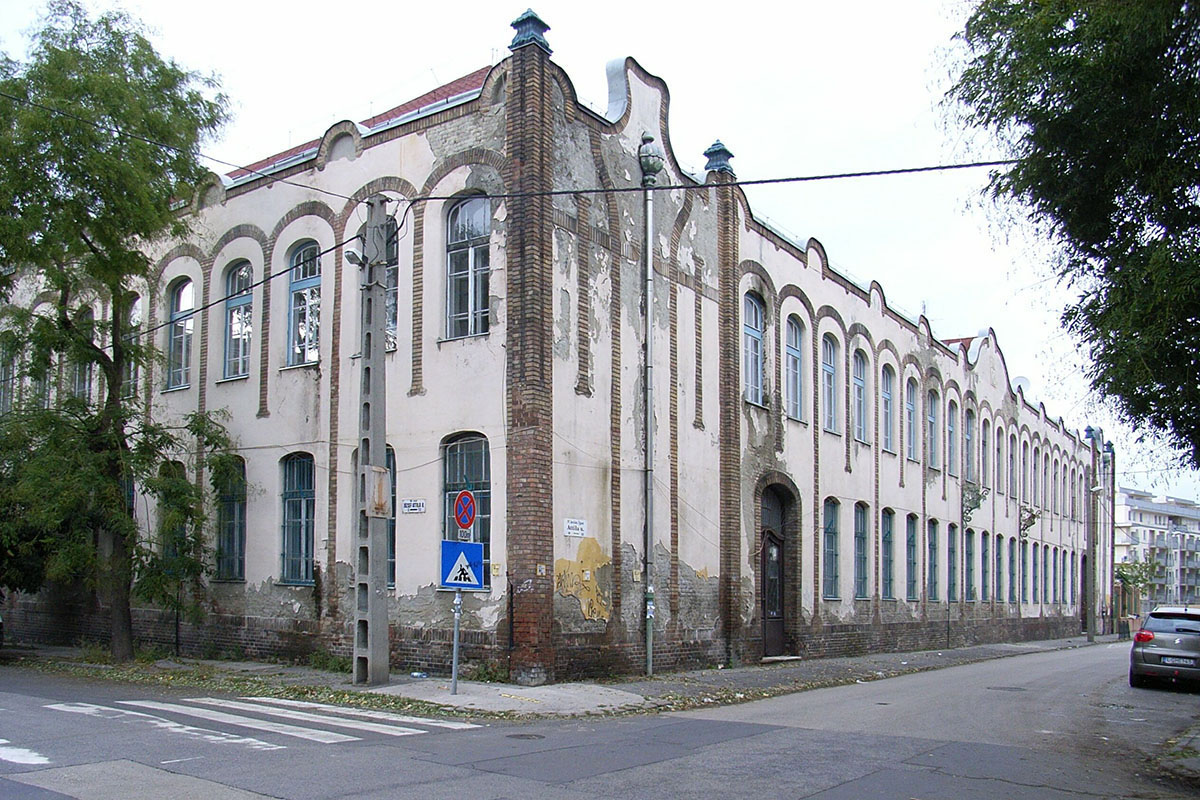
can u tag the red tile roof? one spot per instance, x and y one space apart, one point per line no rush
467 83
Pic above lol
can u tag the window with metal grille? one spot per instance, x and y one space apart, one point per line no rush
299 511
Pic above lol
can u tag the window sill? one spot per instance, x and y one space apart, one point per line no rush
889 452
228 580
754 403
801 420
233 379
305 365
832 432
180 388
449 339
298 584
863 442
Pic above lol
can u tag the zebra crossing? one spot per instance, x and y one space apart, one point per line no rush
281 718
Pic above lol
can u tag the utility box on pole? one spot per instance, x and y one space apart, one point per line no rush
371 650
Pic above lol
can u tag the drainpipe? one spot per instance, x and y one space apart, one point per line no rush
650 158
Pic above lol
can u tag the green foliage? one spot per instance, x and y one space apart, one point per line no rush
1136 574
1099 103
489 671
322 659
99 140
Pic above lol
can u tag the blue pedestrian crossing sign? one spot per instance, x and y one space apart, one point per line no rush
462 565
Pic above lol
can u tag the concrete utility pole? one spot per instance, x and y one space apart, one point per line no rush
650 159
373 485
1090 574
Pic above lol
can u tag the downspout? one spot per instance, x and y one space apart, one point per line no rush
650 158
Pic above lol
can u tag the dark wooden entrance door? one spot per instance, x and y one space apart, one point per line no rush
772 594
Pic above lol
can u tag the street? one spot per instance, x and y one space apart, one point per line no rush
1046 725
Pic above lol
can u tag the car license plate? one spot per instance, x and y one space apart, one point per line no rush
1179 662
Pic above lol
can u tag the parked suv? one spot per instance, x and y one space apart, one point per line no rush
1167 646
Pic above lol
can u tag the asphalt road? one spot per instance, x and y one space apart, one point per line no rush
1060 724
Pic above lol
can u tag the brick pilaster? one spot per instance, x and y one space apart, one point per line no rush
530 402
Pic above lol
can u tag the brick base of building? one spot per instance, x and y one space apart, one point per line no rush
64 619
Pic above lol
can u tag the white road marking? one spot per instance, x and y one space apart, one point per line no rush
304 716
169 725
312 735
181 760
21 755
365 713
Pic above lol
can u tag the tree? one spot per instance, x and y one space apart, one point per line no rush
99 139
1099 104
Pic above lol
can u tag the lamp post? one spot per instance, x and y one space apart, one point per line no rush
1110 458
1091 434
650 159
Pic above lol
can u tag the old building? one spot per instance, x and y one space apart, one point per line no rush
827 476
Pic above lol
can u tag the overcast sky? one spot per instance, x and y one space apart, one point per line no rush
792 89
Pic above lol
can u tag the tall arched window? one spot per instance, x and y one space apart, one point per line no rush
952 438
1034 497
753 366
467 267
1012 465
887 553
969 444
829 583
910 419
299 517
887 389
133 321
1025 472
985 555
239 324
984 455
1045 498
932 433
305 319
969 559
910 556
229 483
793 361
860 550
999 548
860 396
829 353
951 563
1012 569
467 464
182 303
1054 487
931 565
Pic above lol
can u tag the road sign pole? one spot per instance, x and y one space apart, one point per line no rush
454 658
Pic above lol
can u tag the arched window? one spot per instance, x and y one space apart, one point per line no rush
1036 584
999 568
910 419
910 556
1012 569
829 583
860 551
829 354
793 361
969 444
932 432
951 438
969 558
239 323
860 396
299 515
467 464
305 321
390 458
172 521
931 566
951 563
469 227
133 322
1034 498
1025 572
887 389
1012 465
985 555
1054 487
8 377
984 455
887 553
182 303
229 484
753 366
1045 498
1025 472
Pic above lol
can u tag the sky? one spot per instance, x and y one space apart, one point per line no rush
792 89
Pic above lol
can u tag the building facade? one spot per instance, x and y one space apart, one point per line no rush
1163 531
827 476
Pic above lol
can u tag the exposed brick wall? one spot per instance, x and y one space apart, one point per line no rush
530 406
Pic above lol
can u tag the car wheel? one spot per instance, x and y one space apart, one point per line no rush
1137 681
